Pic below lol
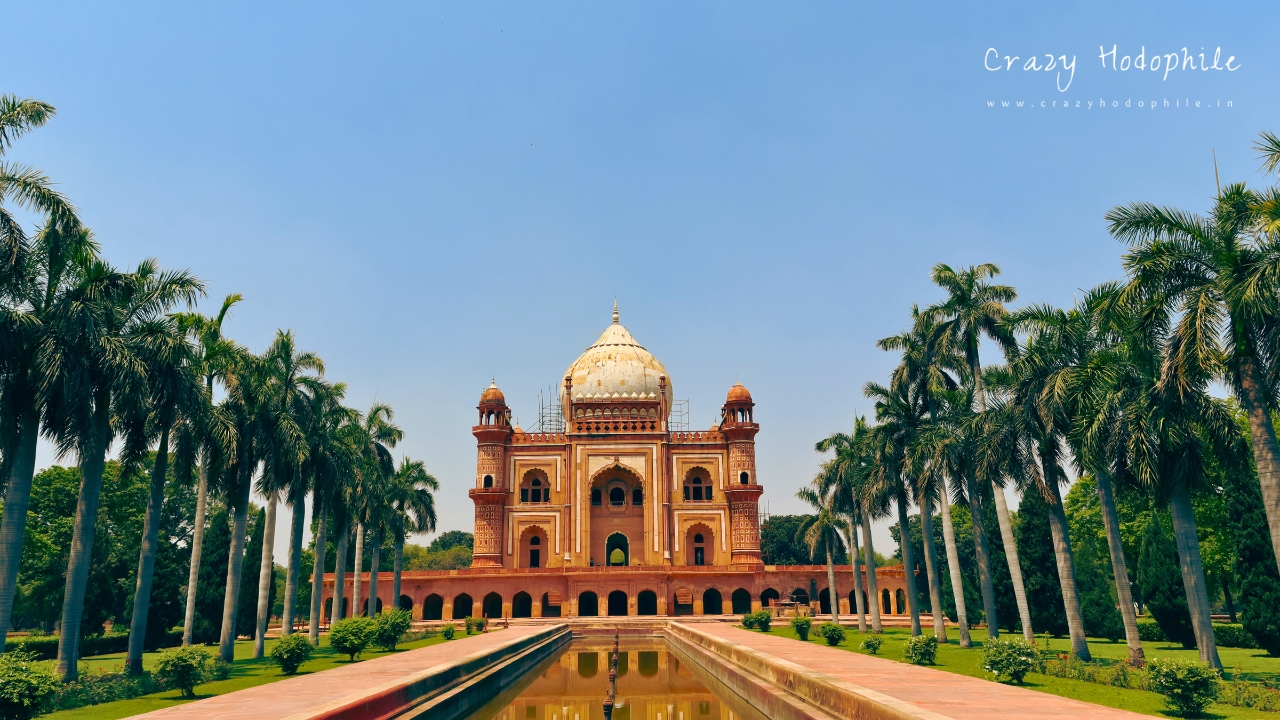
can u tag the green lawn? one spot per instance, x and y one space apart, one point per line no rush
245 673
1253 664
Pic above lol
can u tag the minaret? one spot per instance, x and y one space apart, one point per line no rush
742 491
490 492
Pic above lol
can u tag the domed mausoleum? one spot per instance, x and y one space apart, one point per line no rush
612 511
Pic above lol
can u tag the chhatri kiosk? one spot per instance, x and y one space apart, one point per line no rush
617 514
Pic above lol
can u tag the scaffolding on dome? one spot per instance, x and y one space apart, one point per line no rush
550 412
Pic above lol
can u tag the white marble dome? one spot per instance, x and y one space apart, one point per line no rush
616 366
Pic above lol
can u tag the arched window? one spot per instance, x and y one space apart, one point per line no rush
595 497
617 497
697 489
535 540
535 489
637 497
488 481
743 478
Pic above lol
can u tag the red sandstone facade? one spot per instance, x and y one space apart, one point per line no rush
617 514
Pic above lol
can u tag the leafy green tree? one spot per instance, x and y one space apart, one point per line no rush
1259 582
822 530
413 510
1097 603
1160 578
451 539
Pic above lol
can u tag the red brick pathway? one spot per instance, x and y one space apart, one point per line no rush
949 694
308 692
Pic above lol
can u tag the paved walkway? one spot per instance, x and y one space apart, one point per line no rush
955 696
310 692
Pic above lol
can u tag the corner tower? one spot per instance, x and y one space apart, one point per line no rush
742 492
490 492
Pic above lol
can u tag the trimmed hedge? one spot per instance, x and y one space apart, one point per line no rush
45 647
1233 635
1149 630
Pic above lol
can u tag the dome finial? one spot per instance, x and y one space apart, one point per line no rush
615 310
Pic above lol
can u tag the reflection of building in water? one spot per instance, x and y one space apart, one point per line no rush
617 512
652 684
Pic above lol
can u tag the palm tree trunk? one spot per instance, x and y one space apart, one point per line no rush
1066 570
147 557
908 563
356 610
296 527
953 564
1011 555
1111 521
984 560
81 557
266 577
17 499
317 570
197 548
931 566
857 580
1184 532
340 570
235 571
873 592
1266 450
373 573
397 566
833 595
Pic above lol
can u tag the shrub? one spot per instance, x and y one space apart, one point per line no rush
764 620
1233 635
801 625
350 636
920 649
1187 685
1011 657
476 624
1149 630
749 620
184 667
872 644
833 633
291 651
448 631
389 626
26 685
1242 693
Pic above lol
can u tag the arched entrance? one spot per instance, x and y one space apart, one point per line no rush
406 603
700 545
462 607
522 605
617 603
534 550
433 607
647 603
901 597
741 601
800 596
886 605
617 550
617 505
712 602
824 601
769 597
377 608
493 605
549 610
588 604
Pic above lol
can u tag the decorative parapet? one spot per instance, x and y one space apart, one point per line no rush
696 436
537 438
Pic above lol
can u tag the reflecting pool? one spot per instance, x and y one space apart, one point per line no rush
655 682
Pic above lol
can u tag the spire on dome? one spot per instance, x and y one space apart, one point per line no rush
615 311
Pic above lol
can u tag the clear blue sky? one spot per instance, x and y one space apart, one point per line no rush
431 197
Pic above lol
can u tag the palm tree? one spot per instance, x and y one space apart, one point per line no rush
899 415
330 457
413 510
246 381
94 367
822 529
1220 274
215 353
974 308
839 478
32 277
175 394
375 437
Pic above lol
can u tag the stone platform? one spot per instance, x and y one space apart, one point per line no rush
900 690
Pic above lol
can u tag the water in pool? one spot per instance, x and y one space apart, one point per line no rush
655 682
